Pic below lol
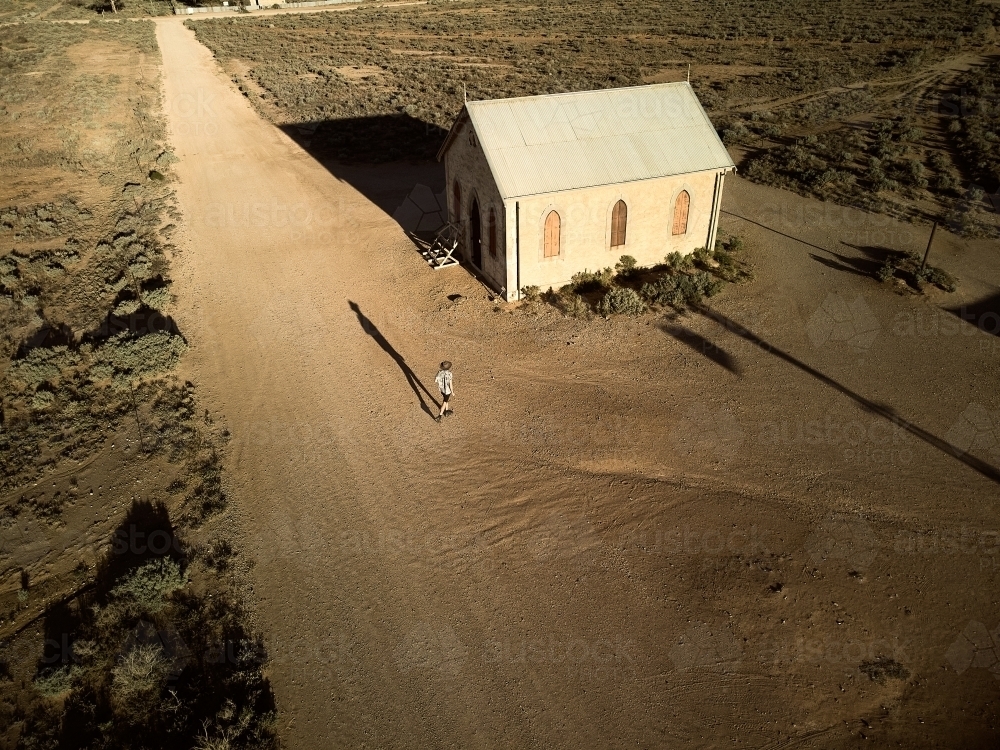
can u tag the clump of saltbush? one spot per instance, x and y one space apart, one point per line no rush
592 281
681 289
124 358
146 587
622 301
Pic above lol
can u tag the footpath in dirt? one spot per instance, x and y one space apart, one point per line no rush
599 549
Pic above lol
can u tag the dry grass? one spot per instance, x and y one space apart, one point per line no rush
87 352
801 92
79 223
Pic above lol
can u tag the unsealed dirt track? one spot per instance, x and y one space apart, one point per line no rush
598 550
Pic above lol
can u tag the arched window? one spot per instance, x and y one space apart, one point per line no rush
681 207
552 235
457 201
493 234
619 218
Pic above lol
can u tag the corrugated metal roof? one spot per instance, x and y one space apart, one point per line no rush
546 144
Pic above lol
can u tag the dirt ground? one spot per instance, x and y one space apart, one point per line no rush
770 526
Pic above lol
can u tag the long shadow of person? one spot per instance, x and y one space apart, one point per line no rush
411 377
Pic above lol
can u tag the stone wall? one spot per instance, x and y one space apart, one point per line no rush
465 163
585 226
585 221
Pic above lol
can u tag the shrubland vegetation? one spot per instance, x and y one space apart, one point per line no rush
29 10
84 275
679 282
975 108
155 654
87 353
842 102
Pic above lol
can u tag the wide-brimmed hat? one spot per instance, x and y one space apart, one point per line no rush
446 365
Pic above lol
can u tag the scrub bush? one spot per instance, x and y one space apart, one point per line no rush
621 301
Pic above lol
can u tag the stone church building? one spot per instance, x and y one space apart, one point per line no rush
543 187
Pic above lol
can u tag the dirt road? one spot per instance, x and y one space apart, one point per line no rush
615 541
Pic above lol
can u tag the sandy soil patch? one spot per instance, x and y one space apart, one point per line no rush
358 72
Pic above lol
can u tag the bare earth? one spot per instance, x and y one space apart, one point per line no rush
622 538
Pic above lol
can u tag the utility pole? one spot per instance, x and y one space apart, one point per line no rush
927 252
138 424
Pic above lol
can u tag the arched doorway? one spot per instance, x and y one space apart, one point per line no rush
476 235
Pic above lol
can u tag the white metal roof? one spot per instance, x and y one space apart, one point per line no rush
556 142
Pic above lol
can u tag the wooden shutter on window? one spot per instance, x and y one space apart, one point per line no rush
552 235
493 234
681 213
619 218
457 202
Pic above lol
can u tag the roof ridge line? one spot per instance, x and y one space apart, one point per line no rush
577 93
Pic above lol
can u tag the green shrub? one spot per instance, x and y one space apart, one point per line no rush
146 586
734 244
679 262
42 365
42 400
55 682
939 278
138 678
886 272
940 161
126 307
621 301
663 292
702 256
698 285
592 281
157 298
530 293
763 169
125 358
626 266
576 306
737 133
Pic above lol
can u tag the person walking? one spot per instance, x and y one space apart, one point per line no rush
444 384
